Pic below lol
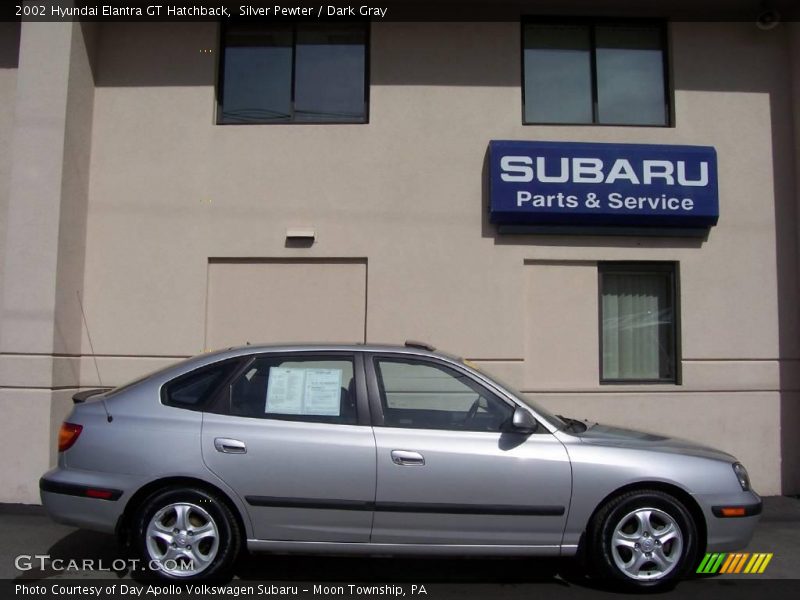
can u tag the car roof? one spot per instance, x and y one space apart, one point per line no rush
416 348
189 364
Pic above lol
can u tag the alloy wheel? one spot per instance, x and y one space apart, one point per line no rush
646 544
182 539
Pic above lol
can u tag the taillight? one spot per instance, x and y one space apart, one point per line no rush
68 435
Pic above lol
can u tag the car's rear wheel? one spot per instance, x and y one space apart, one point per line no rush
187 534
643 539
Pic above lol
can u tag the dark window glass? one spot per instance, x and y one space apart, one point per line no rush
9 44
329 79
426 396
311 389
258 75
194 389
583 73
630 76
558 74
638 322
311 73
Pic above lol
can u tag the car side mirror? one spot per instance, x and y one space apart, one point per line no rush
523 421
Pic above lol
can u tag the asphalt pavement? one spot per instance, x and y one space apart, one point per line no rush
36 551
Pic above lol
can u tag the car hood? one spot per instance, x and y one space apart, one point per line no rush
605 435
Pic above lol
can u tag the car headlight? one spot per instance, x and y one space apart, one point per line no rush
742 476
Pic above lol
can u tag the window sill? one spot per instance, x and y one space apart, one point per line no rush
626 125
259 123
624 383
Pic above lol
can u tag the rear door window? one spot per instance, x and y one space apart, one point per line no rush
317 389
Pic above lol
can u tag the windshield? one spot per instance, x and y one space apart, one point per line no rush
540 410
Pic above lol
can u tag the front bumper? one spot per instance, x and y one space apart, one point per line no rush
727 533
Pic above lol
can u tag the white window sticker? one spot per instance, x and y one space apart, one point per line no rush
285 391
323 392
304 391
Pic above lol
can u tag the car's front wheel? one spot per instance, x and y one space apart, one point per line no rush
187 534
643 539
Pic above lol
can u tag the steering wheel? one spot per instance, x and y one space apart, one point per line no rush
473 410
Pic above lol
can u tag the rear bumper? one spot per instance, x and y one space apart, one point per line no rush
79 499
727 533
82 491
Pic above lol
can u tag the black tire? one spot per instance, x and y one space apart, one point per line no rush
212 558
676 555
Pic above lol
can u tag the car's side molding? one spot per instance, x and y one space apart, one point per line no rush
472 509
313 503
407 507
361 548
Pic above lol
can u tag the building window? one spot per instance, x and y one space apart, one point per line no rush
603 73
304 73
638 322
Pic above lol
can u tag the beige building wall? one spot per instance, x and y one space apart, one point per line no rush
46 195
294 300
166 195
9 51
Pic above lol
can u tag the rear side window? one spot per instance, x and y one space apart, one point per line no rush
194 389
311 389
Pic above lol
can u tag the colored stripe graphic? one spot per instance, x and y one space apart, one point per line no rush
740 564
729 562
759 563
764 564
702 566
711 563
735 562
717 563
753 562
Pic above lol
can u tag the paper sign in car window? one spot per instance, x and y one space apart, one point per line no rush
285 390
323 392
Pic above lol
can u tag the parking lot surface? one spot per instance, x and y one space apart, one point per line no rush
33 549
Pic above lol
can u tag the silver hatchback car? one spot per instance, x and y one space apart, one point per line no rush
381 449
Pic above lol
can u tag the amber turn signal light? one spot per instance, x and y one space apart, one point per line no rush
68 435
733 511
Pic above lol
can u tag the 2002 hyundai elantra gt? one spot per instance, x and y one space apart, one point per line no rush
381 449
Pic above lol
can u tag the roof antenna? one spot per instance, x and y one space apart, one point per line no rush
109 418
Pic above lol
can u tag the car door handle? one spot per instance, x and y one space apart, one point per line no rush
407 458
230 446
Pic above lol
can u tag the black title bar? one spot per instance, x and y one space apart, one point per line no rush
391 10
